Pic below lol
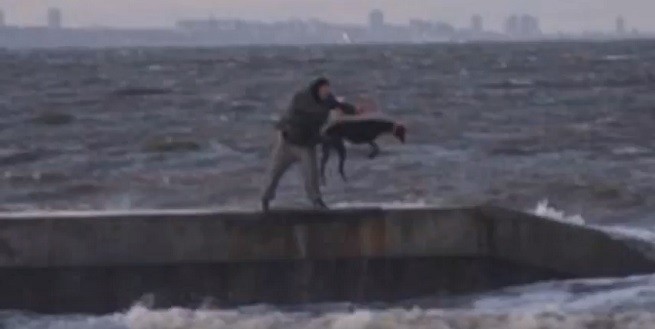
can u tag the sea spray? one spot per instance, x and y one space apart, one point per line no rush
544 209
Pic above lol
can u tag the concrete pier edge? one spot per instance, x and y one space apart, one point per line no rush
104 261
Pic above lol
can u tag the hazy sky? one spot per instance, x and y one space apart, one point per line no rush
556 15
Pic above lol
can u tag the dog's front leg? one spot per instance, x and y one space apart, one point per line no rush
341 151
375 150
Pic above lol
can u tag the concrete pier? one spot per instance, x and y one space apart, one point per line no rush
104 262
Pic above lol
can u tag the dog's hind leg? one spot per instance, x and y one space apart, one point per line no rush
375 150
325 156
341 151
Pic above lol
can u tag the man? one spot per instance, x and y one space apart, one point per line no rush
299 133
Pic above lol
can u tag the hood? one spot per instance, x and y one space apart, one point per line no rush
316 85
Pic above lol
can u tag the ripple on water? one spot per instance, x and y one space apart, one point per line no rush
170 144
53 119
140 91
13 157
18 178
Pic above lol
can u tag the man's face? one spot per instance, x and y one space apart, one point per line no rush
324 91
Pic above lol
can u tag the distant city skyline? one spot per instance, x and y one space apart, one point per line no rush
554 15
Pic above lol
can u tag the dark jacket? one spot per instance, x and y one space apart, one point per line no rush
301 124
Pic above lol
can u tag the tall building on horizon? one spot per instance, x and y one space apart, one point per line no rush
620 25
512 25
523 26
376 19
477 24
529 26
54 18
3 23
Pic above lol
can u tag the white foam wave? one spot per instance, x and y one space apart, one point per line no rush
543 209
575 304
637 233
175 318
604 295
532 301
611 303
641 238
384 205
121 212
620 57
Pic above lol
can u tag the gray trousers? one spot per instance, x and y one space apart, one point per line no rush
284 155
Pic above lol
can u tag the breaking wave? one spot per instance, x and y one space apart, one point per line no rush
636 234
141 318
544 209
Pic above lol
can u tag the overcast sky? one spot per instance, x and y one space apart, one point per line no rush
555 15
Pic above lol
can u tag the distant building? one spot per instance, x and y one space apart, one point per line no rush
376 20
476 24
3 23
512 25
620 25
529 26
206 25
54 18
523 27
443 28
419 28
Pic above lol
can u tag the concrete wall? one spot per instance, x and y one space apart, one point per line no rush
101 262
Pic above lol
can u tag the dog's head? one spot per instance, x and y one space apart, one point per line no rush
400 132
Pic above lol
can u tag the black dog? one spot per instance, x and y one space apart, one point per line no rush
364 131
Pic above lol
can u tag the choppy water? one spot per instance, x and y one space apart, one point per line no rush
507 124
626 303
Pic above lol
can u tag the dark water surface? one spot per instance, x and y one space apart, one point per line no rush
509 124
171 128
